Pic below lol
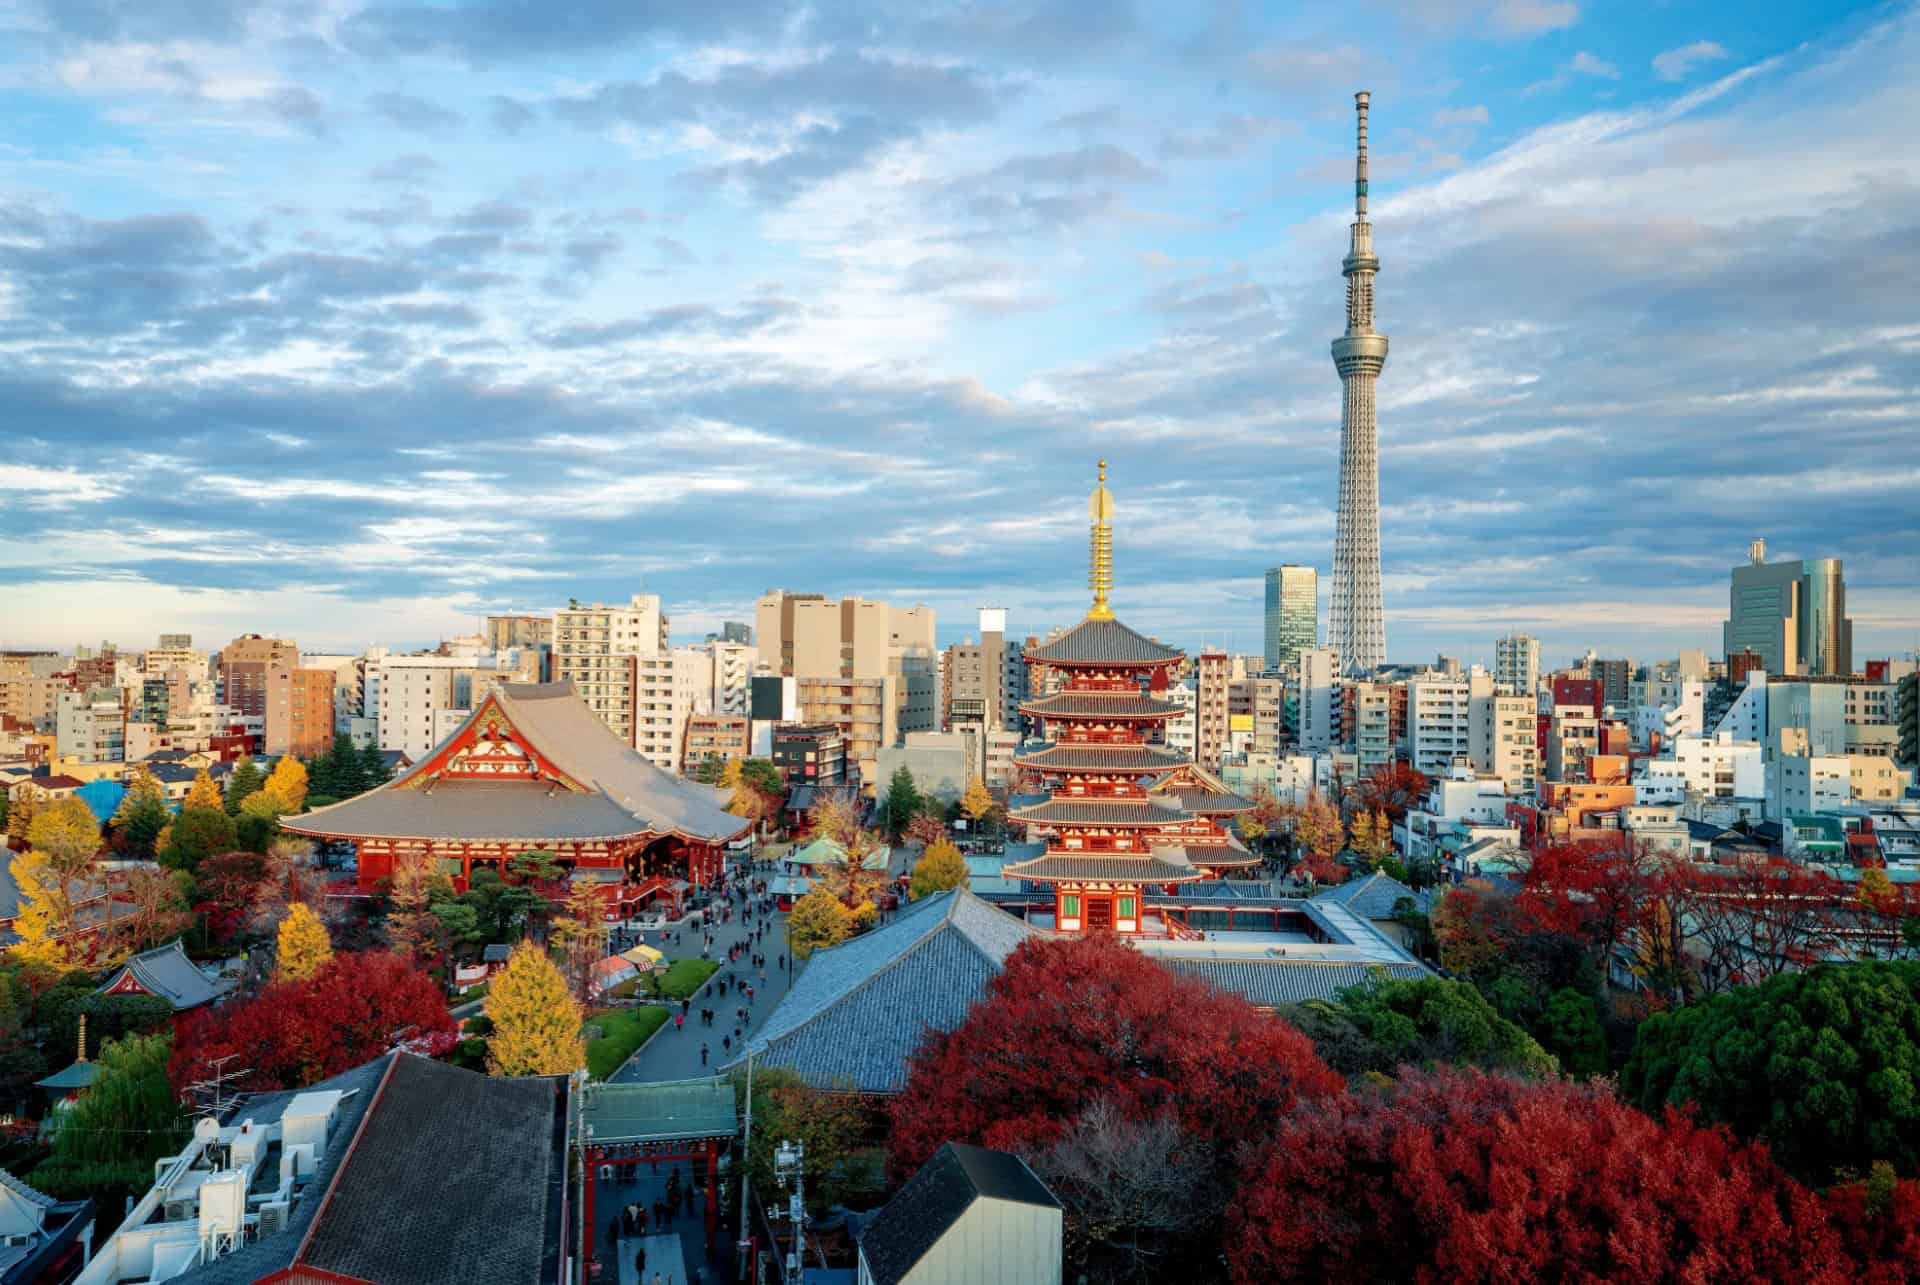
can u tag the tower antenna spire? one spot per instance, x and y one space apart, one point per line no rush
1356 626
1100 548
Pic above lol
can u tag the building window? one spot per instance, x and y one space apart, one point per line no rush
1069 906
1128 908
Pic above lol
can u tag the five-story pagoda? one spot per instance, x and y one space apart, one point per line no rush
1107 838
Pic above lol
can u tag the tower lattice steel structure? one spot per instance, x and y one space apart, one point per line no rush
1356 627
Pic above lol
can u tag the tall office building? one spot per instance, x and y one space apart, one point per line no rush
986 680
1792 614
1318 685
1213 675
623 668
244 663
1356 624
1516 665
1293 615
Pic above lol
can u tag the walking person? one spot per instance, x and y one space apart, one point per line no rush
640 1264
679 1020
703 1055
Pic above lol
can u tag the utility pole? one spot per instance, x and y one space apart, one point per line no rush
790 1162
746 1150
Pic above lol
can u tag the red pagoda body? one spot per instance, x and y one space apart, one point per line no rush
1116 820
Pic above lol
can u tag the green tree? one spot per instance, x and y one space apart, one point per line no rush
819 919
1571 1031
246 779
142 814
834 1127
255 832
108 1141
196 834
1823 1066
374 771
903 803
710 770
1423 1022
940 867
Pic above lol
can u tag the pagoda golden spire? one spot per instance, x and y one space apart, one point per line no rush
1100 568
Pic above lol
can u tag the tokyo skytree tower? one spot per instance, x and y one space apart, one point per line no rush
1356 626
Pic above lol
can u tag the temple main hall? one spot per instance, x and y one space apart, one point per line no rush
533 769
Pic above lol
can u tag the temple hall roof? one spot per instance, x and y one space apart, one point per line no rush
166 971
857 1011
904 1231
621 794
1217 854
1096 705
1102 642
1198 790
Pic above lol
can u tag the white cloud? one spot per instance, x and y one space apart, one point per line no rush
1531 17
1675 64
33 486
1586 64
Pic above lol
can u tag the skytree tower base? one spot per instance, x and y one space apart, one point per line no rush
1357 627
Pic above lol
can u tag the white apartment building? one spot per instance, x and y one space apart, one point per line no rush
1440 718
91 727
619 662
174 657
1373 741
410 694
1808 784
1674 708
1181 728
1516 665
1504 740
1705 767
1318 683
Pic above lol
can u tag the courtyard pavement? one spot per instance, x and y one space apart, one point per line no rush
675 1054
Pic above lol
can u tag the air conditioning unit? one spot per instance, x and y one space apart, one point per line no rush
273 1217
181 1210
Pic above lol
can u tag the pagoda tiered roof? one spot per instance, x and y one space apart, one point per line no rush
1094 706
1103 641
1198 790
1165 864
1103 812
1131 758
531 764
1216 855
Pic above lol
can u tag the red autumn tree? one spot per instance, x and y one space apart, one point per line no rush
1759 916
1459 1176
356 1007
1878 1223
1072 1022
230 882
1393 788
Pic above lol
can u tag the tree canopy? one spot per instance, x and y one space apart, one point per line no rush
1421 1022
940 867
245 779
818 919
355 1007
143 813
303 946
111 1136
536 1022
1459 1176
1822 1066
196 834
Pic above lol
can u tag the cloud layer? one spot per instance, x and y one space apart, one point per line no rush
353 321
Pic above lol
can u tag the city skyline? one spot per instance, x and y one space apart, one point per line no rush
848 314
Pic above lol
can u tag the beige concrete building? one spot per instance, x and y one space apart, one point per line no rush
1504 740
244 663
984 682
596 646
1261 699
869 667
300 713
1212 674
505 633
91 727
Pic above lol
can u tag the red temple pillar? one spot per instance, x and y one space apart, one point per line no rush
586 1202
713 1189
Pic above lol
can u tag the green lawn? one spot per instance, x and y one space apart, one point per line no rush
626 1030
685 976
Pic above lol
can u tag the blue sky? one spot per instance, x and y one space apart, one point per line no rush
353 320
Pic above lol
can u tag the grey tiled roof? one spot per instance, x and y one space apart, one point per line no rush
1269 983
1095 642
262 1258
1063 756
927 1206
858 1010
483 1164
1217 854
167 972
1100 705
1163 866
621 793
1069 809
1373 896
1206 801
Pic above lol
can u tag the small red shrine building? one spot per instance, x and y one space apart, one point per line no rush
533 769
1115 818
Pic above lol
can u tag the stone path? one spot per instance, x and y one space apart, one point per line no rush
675 1055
